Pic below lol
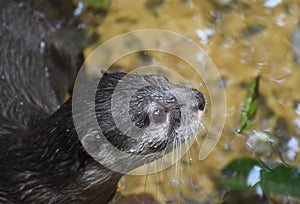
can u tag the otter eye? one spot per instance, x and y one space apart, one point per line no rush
158 115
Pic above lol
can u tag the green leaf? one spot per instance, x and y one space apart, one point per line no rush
235 174
105 4
281 180
250 106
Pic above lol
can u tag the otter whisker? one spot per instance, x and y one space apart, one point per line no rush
146 178
156 180
132 181
198 141
174 159
173 148
178 151
201 125
188 160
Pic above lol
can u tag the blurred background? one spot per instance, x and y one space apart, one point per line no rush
255 44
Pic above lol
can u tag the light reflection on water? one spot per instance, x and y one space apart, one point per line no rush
244 39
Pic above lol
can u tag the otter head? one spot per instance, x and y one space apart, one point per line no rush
146 114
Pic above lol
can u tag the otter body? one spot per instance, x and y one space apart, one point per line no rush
42 158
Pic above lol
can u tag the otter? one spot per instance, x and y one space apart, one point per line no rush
43 159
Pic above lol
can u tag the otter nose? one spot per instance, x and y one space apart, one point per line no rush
200 100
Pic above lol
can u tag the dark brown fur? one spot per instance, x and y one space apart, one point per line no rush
41 157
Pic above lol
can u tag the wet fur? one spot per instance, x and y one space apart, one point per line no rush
42 163
42 159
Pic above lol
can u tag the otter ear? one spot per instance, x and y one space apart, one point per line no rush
140 119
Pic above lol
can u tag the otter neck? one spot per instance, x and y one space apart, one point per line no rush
61 156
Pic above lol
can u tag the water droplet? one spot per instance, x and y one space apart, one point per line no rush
203 35
79 9
272 3
298 108
21 5
42 47
2 77
254 176
21 103
297 125
293 148
47 72
81 26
